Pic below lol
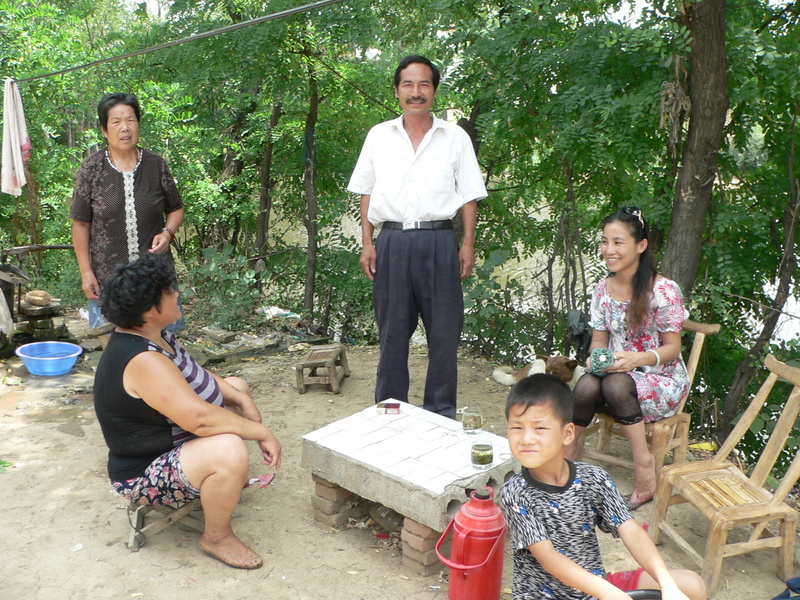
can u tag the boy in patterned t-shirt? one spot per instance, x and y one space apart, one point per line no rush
553 506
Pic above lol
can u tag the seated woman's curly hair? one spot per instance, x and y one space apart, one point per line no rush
135 288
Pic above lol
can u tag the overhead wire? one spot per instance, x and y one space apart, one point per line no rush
191 38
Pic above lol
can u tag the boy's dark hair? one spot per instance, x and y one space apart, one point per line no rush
416 58
135 288
109 101
542 389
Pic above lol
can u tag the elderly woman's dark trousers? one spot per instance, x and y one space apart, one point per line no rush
418 275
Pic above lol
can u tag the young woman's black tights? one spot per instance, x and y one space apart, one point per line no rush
614 394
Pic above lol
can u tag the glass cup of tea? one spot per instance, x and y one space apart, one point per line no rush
482 455
472 420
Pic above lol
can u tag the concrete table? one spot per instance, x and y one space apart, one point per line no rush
416 462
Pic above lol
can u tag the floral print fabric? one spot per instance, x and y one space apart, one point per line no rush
660 390
163 483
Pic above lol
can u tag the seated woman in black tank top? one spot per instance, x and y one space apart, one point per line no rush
174 431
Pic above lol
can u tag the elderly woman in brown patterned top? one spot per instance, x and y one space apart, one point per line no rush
124 204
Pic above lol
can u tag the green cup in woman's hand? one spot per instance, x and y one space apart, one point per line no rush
601 360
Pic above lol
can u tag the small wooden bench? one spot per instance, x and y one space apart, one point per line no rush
333 362
160 517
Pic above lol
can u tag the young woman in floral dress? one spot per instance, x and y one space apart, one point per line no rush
639 315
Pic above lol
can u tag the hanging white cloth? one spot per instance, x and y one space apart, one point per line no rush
16 143
6 320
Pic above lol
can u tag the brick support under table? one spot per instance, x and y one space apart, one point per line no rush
417 463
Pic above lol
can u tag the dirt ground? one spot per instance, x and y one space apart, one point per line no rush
63 529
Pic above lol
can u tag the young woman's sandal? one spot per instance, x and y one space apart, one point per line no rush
249 560
632 503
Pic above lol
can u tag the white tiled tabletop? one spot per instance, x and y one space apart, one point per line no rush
420 447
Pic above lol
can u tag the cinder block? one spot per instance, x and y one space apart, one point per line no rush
426 558
419 529
334 494
330 507
339 519
409 564
325 482
418 543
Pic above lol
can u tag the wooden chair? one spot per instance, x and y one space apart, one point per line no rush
670 434
728 498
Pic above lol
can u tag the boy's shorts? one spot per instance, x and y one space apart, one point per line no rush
625 580
163 483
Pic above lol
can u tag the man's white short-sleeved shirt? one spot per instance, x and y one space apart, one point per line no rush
430 184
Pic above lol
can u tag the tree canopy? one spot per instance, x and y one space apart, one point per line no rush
687 110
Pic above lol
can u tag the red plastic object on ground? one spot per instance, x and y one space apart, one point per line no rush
476 558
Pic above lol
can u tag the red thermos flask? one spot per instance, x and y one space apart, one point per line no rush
476 558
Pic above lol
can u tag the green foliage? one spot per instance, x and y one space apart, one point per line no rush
498 322
721 355
566 101
224 290
343 287
752 445
60 277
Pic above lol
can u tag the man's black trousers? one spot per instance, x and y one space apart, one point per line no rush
418 275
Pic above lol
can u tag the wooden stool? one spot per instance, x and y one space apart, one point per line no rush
166 516
327 358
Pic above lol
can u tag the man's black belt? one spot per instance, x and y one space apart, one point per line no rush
409 225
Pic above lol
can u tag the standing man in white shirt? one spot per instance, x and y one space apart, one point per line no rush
414 174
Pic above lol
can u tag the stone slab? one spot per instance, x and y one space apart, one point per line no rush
91 345
104 329
53 309
220 336
415 462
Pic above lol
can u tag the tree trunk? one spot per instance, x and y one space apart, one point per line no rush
267 183
310 219
708 90
550 328
34 220
570 235
747 368
471 126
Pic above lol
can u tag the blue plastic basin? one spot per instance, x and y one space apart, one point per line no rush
49 358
